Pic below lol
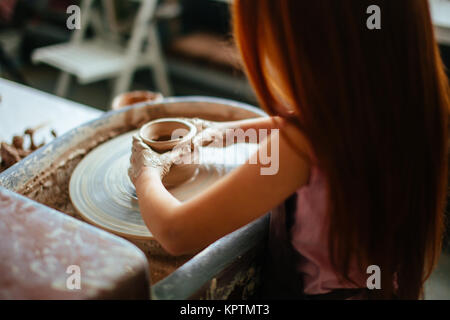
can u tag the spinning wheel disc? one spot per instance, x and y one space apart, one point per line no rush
103 194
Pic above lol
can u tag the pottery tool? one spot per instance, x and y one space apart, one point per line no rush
103 194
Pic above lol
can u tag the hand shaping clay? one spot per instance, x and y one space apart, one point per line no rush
163 135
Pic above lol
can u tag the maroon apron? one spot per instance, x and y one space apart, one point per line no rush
281 280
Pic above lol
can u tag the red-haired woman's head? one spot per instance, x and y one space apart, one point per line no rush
374 105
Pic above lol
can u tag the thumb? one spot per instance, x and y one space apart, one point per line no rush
138 144
179 153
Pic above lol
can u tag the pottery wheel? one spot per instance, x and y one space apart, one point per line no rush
103 194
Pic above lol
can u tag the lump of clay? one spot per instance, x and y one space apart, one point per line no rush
16 151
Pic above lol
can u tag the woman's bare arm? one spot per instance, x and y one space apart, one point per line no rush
253 123
227 132
237 199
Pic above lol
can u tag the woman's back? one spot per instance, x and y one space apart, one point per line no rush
309 237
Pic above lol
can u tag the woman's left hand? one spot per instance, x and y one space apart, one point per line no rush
143 156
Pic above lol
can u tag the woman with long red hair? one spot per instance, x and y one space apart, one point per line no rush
362 117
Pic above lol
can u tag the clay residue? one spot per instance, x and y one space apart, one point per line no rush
11 153
239 281
51 186
161 264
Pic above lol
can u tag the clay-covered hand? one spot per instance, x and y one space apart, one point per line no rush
209 133
142 156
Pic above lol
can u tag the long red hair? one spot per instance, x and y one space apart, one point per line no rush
374 105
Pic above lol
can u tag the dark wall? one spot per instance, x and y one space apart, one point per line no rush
445 53
207 15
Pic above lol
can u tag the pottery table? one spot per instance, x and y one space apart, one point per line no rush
230 268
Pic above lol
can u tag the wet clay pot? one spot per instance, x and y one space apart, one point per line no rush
163 135
129 98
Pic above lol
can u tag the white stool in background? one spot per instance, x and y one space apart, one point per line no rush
103 56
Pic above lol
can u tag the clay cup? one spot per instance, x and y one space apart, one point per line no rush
162 135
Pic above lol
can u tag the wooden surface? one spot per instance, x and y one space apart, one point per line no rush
23 107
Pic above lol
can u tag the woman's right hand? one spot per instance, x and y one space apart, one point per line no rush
209 133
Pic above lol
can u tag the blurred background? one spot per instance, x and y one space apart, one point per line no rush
176 47
179 47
